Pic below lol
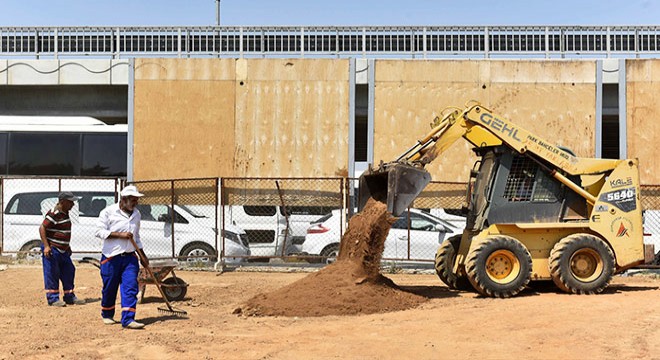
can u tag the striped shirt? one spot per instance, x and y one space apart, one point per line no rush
58 229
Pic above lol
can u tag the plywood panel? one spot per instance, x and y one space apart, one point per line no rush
295 70
291 118
643 112
556 104
403 113
185 69
183 129
561 112
542 71
423 71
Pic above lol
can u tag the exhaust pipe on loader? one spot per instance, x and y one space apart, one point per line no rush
394 184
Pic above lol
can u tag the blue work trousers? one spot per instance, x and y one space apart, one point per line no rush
58 267
120 271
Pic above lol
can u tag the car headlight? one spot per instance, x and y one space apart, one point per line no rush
231 236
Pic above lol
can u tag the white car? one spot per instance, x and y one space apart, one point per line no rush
652 232
195 235
426 233
266 226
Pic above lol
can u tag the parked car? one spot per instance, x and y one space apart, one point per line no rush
266 226
195 235
427 232
651 220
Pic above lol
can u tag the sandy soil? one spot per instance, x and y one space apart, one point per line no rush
354 281
541 323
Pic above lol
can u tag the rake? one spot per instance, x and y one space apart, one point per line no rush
169 310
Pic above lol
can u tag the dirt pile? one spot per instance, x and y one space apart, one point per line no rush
352 285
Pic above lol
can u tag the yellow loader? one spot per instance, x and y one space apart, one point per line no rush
534 210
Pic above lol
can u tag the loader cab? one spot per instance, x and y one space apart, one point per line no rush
512 188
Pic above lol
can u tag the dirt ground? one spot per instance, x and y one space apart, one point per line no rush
354 281
541 323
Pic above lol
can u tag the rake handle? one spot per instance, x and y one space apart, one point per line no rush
148 268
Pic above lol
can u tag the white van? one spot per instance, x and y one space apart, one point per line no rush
266 226
195 235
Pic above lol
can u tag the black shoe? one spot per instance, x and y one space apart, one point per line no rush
58 303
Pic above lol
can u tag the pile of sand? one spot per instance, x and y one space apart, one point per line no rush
352 285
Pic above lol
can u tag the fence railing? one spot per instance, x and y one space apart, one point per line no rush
241 220
330 41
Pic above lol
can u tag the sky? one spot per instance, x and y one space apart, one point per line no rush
336 12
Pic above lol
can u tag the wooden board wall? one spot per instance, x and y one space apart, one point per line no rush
291 118
642 116
183 118
555 99
240 118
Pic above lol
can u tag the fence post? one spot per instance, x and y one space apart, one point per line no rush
173 215
347 200
220 253
286 217
408 226
222 189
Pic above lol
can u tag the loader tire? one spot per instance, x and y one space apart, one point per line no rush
500 266
581 264
444 265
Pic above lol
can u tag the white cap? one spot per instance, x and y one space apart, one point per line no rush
130 190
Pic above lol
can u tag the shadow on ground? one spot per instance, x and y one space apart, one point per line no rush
431 292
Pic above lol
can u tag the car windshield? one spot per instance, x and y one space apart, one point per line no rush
437 219
192 212
322 219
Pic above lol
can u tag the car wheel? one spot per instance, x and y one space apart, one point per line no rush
31 251
199 253
330 253
177 291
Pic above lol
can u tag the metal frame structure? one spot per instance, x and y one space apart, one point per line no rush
331 41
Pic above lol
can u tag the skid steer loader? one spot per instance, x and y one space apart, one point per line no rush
534 210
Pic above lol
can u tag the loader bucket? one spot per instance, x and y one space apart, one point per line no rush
397 187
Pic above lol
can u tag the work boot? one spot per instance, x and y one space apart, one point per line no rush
109 321
58 303
76 301
134 325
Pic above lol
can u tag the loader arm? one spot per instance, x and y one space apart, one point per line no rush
399 182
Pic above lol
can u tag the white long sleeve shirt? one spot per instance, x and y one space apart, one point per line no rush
113 219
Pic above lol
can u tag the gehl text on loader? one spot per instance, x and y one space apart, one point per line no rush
535 211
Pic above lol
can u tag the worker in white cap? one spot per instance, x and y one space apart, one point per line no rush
117 224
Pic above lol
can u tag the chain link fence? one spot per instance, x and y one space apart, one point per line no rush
433 217
25 201
180 220
290 218
241 220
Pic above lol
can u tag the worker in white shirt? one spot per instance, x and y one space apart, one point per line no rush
116 225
